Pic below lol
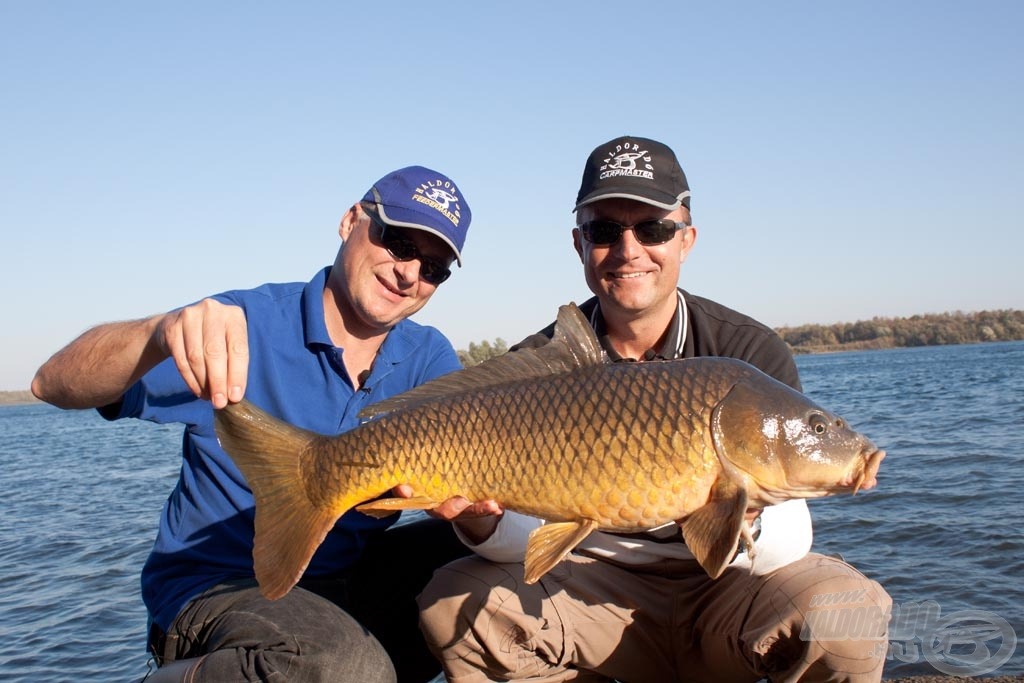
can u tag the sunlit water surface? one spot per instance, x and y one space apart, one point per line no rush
81 499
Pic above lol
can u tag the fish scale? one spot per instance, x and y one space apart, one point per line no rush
519 445
560 434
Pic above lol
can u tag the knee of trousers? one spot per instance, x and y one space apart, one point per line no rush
454 597
301 637
840 615
474 610
358 653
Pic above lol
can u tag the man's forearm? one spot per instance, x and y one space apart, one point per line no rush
96 368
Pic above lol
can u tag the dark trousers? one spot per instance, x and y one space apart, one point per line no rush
340 629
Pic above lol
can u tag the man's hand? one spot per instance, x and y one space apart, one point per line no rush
210 345
477 521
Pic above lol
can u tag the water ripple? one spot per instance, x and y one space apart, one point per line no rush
81 501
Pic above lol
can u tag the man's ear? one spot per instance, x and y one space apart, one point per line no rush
349 220
689 239
577 243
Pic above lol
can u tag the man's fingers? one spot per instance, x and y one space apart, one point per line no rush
456 507
403 491
172 338
215 358
210 345
184 368
238 356
450 509
460 508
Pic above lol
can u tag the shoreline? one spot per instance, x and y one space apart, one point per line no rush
17 398
25 397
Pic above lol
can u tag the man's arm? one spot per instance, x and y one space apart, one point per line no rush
207 340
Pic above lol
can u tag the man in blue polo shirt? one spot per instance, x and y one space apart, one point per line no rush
313 354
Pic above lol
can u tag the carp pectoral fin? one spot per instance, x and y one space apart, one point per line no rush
548 544
713 530
388 506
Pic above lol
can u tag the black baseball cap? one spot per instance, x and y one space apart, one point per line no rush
634 168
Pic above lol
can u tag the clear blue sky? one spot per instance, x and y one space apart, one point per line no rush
847 159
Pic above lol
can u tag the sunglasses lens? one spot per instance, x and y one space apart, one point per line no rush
654 232
432 271
601 232
402 249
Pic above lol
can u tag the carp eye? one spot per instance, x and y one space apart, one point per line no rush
818 423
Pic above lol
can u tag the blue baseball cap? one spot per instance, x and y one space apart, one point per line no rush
419 198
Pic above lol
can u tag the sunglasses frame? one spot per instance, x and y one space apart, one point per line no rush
641 230
403 249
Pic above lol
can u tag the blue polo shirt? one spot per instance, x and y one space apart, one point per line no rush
295 373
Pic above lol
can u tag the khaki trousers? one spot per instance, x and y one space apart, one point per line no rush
818 619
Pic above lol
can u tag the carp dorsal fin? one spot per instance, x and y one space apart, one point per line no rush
550 543
712 531
574 345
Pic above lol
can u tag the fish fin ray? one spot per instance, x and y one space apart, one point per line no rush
289 527
712 531
747 537
549 543
574 345
382 507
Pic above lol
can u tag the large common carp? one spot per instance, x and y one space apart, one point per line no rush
561 434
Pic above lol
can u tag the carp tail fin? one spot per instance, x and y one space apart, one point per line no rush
289 525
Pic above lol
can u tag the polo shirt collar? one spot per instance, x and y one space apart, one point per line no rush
313 321
398 345
670 349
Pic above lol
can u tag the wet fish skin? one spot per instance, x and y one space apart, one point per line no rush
559 434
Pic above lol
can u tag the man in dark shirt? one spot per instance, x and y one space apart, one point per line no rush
639 608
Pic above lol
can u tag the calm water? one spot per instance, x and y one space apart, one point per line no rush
81 498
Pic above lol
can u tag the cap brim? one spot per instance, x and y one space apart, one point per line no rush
404 218
658 199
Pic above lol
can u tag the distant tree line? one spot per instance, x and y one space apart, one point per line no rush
934 329
918 330
478 353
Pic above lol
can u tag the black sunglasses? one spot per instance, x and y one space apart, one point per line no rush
401 248
606 233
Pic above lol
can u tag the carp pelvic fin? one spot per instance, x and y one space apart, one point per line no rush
550 543
289 528
574 345
388 506
713 530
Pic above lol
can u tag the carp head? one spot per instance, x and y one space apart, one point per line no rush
783 445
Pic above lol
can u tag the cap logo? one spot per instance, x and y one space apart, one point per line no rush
441 196
622 161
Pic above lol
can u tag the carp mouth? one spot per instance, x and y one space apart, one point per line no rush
864 476
861 475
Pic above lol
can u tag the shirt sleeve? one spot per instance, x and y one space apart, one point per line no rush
508 542
786 537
